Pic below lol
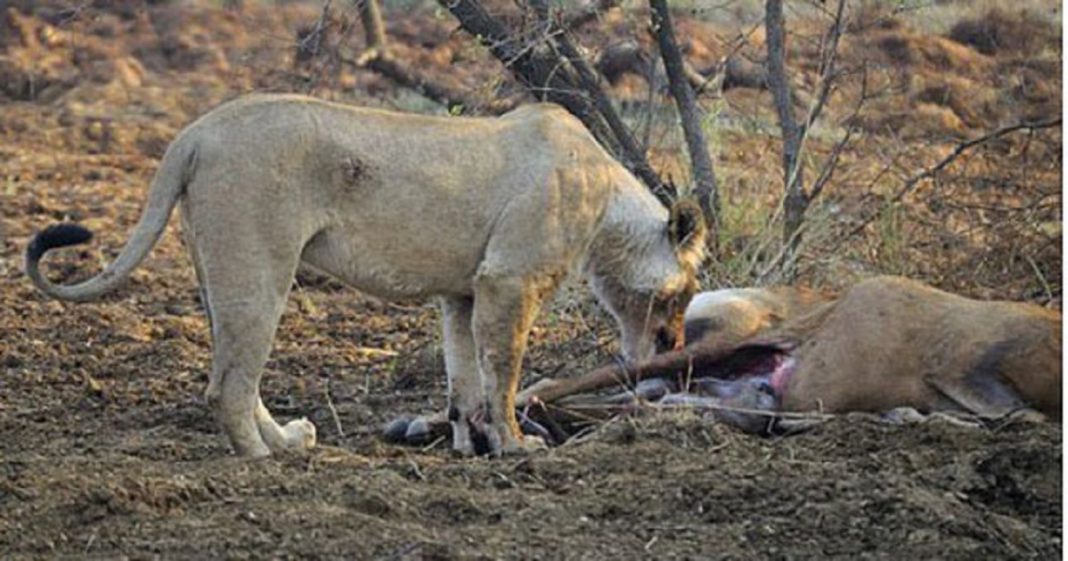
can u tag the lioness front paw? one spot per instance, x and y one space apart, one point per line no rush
503 442
525 444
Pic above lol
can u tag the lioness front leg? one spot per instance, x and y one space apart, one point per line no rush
505 308
465 385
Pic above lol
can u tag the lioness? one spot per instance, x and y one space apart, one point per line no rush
488 214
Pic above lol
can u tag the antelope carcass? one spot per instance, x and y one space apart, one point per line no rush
886 344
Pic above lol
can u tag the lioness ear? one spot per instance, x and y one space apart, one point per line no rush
686 227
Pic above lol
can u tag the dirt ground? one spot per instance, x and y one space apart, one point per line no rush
108 451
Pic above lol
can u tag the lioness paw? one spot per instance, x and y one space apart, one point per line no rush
526 445
299 434
503 443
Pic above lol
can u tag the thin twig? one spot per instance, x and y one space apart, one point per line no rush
433 444
942 164
310 43
830 165
1041 278
333 410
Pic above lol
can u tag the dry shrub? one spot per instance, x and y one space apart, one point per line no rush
918 120
988 226
902 47
999 31
32 68
976 105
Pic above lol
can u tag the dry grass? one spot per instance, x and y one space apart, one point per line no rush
939 17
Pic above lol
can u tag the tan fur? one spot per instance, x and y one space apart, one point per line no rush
486 214
890 342
736 314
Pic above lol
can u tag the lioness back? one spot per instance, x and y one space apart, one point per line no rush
403 205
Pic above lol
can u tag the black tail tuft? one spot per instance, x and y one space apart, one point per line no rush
56 235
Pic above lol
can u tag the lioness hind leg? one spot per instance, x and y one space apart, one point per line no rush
504 311
245 307
242 333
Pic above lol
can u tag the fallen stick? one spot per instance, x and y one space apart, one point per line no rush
714 358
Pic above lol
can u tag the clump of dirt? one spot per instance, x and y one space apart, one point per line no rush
666 485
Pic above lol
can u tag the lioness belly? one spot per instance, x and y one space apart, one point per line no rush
373 265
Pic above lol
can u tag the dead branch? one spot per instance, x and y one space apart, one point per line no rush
542 73
796 200
373 26
389 66
928 173
377 58
704 176
787 257
592 84
779 85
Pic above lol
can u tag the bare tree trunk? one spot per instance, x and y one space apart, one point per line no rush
373 26
704 176
633 154
795 201
392 68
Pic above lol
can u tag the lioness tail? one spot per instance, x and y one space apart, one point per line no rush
171 178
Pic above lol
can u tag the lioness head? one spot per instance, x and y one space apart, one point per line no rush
645 274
